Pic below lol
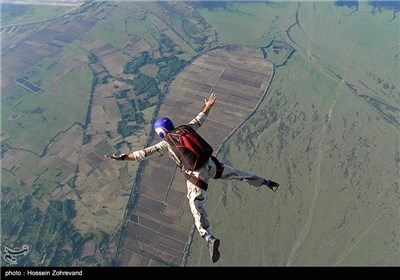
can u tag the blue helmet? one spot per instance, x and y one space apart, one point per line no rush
162 126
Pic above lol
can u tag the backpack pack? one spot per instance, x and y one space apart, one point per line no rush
192 150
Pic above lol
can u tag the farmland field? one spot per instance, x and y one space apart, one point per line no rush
307 94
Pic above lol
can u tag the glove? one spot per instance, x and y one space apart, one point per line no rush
118 157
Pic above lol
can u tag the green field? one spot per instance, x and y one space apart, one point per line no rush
255 24
61 108
111 29
17 14
334 153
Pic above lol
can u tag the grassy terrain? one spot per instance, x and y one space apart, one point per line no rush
254 24
334 153
17 14
111 29
140 28
39 127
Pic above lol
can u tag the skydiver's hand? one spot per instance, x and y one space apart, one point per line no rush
208 103
211 100
117 157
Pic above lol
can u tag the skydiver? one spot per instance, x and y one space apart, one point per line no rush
197 177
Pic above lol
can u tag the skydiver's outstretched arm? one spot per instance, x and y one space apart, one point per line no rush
117 157
201 117
123 156
157 149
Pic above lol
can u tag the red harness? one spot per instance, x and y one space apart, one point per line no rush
200 183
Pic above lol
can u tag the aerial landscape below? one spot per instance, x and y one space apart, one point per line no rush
307 94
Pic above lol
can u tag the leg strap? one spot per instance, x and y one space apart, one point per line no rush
220 167
197 182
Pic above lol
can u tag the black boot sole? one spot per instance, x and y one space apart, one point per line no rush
215 254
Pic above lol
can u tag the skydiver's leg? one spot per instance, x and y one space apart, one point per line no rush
231 173
197 200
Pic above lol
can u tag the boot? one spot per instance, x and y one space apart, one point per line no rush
271 184
213 245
